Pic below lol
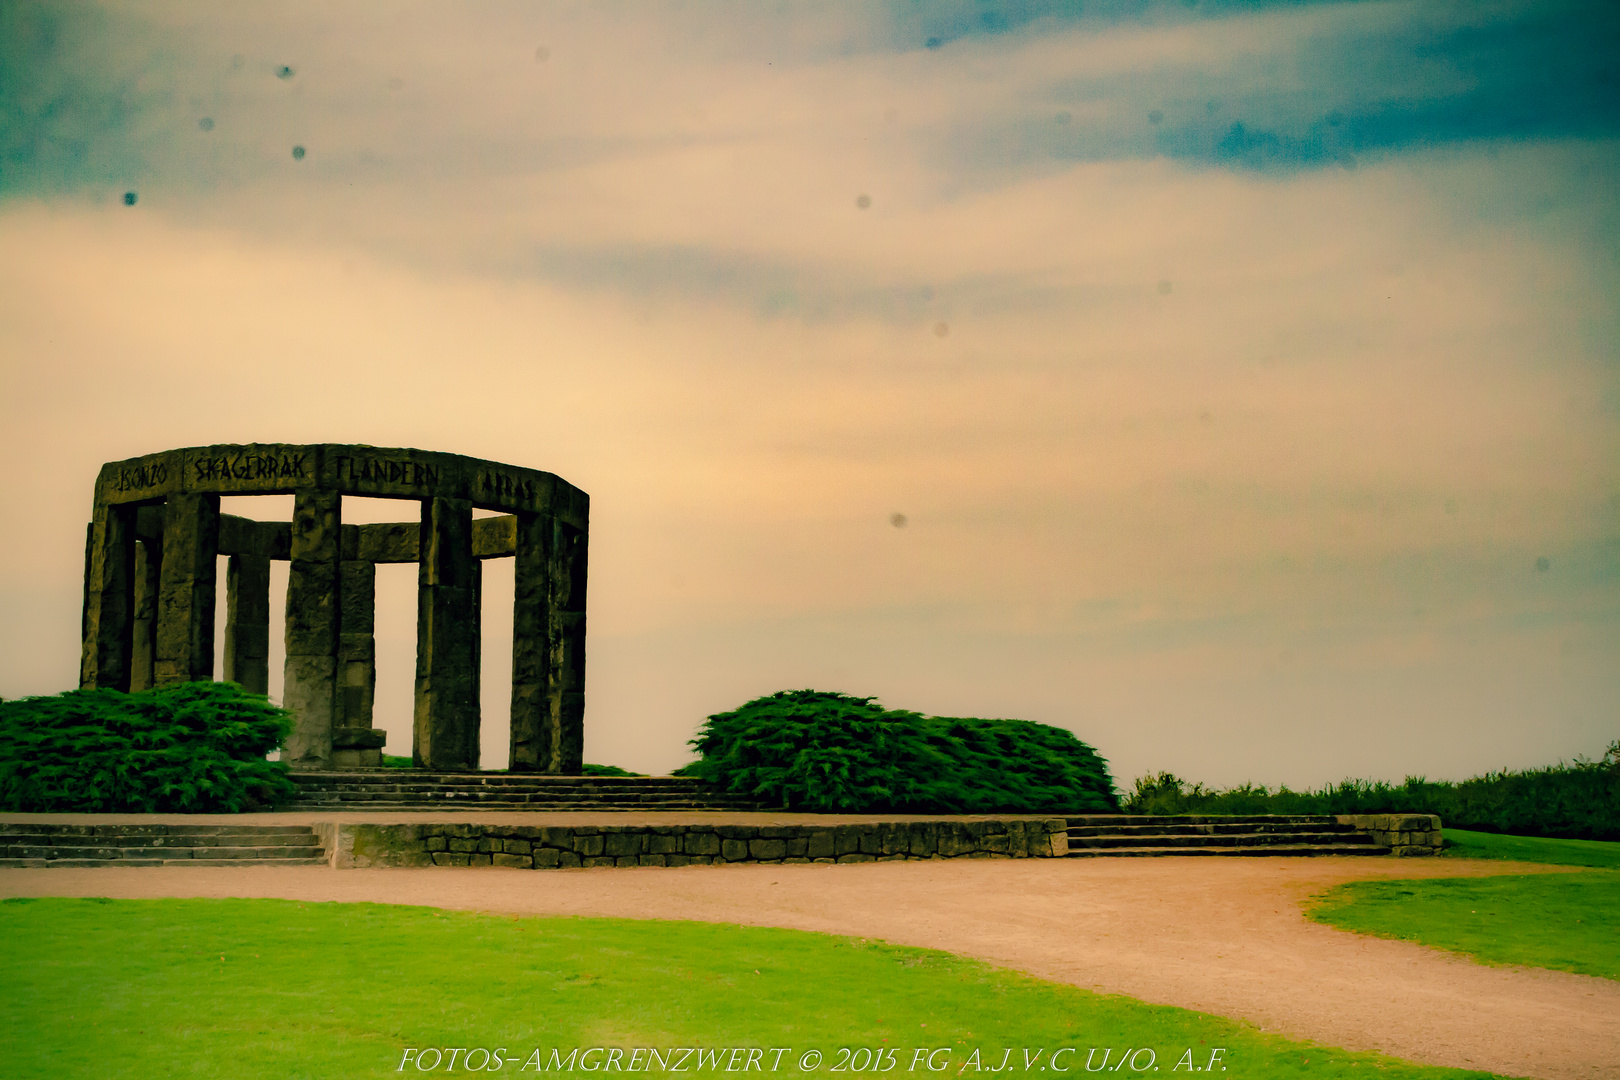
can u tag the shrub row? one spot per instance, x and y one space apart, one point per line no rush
189 748
825 752
1579 801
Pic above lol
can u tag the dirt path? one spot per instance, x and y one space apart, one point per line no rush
1224 936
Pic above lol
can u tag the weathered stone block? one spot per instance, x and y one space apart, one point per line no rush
588 846
702 843
489 844
737 832
434 843
557 836
677 860
855 857
792 859
622 844
923 837
734 850
547 858
767 849
598 860
869 840
479 860
566 860
663 845
459 844
996 843
651 860
797 846
819 845
517 847
778 832
846 839
626 860
517 862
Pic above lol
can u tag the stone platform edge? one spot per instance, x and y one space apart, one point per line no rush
360 845
1403 834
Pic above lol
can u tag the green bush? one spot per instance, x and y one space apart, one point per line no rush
189 748
820 751
606 770
1574 802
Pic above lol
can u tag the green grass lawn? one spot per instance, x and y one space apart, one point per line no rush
1570 922
1460 843
271 988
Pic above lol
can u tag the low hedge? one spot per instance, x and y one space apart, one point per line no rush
826 752
185 749
1575 802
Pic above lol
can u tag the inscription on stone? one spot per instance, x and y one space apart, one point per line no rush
503 487
387 471
141 477
250 467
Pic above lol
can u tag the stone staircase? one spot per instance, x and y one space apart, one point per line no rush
413 789
1264 834
37 845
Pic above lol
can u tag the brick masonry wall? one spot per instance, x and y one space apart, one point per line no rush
544 847
1406 834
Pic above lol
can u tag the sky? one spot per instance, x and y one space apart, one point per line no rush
1233 384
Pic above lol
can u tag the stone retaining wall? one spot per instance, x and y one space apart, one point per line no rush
1404 834
544 847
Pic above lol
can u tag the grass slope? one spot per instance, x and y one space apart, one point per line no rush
1569 922
267 988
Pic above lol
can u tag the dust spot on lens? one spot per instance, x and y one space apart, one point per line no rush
396 83
1164 288
932 43
298 153
129 198
1065 117
284 72
897 520
237 61
542 54
1155 116
206 123
1543 564
863 201
941 329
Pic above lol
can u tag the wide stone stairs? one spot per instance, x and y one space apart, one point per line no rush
413 789
1263 834
40 845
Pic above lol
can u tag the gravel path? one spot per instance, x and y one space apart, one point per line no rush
1224 936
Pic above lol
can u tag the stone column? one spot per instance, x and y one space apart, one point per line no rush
446 720
568 650
531 645
148 561
247 622
109 599
357 644
313 613
183 639
548 647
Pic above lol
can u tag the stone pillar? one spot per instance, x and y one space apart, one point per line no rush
313 613
109 599
148 561
183 639
548 647
247 622
568 650
446 720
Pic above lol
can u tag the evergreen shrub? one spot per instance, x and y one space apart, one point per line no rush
819 751
184 749
1574 802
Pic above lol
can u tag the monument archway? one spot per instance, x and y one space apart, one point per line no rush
150 583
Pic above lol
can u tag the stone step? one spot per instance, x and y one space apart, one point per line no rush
530 807
141 829
1262 850
1278 827
1112 820
1240 840
301 838
40 864
122 854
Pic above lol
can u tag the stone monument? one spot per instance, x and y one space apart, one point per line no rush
149 586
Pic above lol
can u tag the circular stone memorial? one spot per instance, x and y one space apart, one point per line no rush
149 586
